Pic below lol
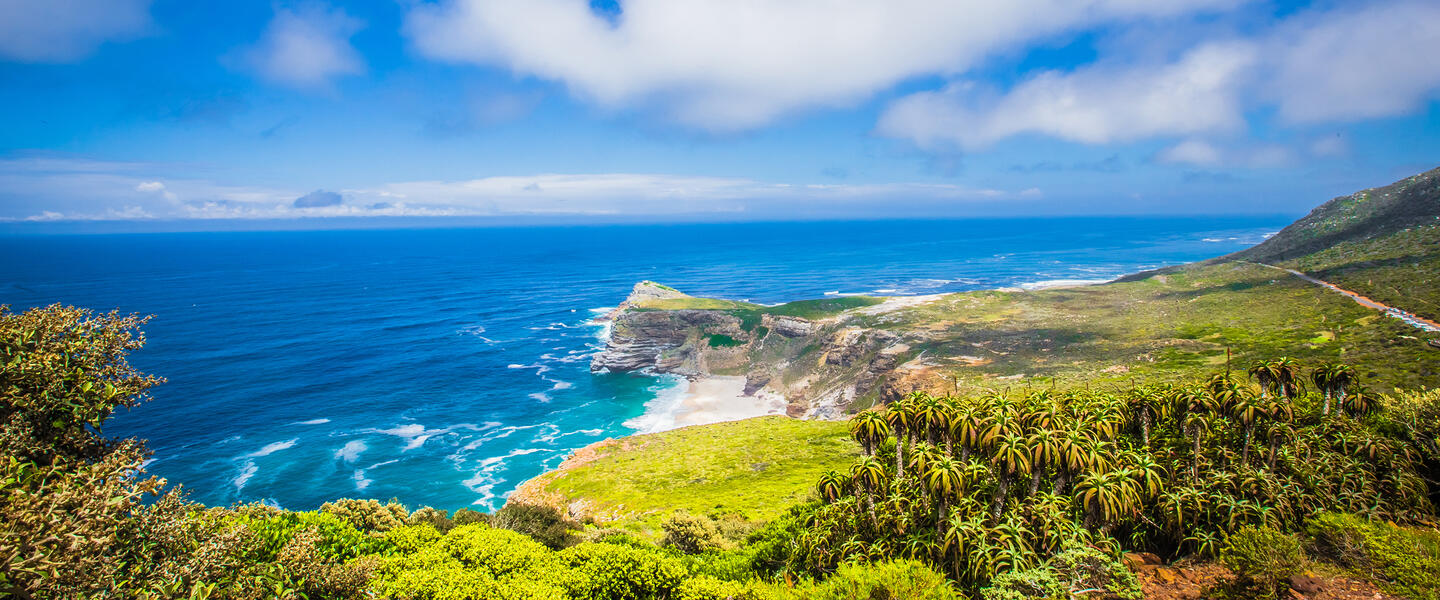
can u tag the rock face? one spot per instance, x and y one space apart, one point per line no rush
788 326
825 368
663 340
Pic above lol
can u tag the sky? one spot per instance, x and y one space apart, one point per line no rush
141 112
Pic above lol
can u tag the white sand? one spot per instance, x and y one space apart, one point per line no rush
704 401
716 399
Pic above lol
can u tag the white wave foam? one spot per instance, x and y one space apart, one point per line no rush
351 450
361 482
561 385
247 470
415 434
272 448
485 479
539 397
660 411
1054 283
320 421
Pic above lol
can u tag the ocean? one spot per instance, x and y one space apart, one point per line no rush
444 367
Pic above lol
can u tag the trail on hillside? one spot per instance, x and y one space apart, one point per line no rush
1409 318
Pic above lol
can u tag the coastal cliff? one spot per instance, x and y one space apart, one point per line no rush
821 363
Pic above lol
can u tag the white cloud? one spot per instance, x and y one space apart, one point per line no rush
92 190
1379 60
1095 105
1191 152
306 49
737 64
1330 146
1339 65
58 31
1200 153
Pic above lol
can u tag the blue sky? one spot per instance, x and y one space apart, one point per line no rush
138 111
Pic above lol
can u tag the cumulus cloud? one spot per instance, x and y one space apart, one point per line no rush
318 199
737 64
1358 63
1345 64
306 49
58 31
1098 104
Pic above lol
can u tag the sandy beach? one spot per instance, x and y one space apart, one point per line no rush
703 401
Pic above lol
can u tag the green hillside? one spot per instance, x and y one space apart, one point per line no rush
1382 242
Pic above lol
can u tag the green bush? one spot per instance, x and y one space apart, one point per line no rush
543 523
1407 558
471 561
465 516
1071 571
605 571
367 515
693 534
1263 558
896 580
434 516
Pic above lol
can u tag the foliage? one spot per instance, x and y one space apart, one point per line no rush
720 340
543 523
62 371
1263 558
367 515
983 485
1408 558
693 534
889 580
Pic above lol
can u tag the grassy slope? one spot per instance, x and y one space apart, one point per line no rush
1167 326
755 468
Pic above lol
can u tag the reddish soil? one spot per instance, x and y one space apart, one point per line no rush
1191 580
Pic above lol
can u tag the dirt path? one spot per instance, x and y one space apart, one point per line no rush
1413 320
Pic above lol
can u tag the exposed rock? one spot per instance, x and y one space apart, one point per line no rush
791 327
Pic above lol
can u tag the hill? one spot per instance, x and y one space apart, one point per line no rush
1383 243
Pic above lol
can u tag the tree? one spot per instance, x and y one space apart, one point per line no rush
944 478
1332 379
901 416
1012 458
870 476
63 370
869 428
1147 404
831 486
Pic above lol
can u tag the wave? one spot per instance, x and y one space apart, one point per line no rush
1053 283
273 447
351 450
247 470
485 479
661 411
320 421
361 482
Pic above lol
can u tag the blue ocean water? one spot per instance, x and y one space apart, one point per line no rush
444 367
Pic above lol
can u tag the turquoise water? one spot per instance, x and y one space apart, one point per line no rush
444 367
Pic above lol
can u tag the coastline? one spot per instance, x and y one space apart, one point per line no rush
702 401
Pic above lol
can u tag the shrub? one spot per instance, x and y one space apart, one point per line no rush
434 516
543 523
1408 558
367 515
465 516
604 571
897 580
693 534
1263 558
1069 572
471 561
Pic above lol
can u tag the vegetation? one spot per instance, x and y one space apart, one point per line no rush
1406 557
1263 558
983 485
1378 242
754 468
